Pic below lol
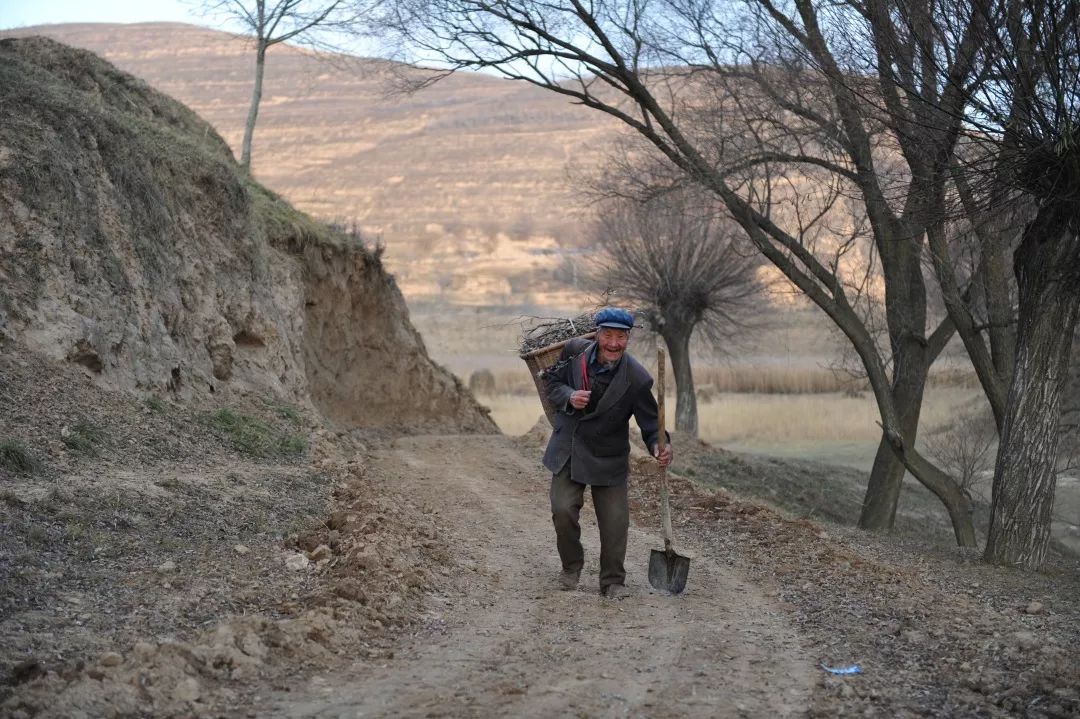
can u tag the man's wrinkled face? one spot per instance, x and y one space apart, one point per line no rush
612 343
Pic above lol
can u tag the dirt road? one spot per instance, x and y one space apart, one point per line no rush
508 643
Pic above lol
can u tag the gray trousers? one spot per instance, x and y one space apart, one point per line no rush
612 517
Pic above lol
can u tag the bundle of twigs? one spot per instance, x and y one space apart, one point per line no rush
547 331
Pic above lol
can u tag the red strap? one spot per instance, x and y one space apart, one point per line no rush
584 371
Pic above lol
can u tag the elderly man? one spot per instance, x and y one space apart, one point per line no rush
597 386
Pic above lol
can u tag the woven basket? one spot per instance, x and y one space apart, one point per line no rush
539 360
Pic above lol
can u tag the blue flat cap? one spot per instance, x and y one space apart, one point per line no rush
615 317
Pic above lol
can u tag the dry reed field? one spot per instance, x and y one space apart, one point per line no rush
746 419
780 394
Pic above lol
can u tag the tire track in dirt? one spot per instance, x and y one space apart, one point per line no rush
510 644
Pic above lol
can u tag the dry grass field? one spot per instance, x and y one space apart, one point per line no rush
749 419
779 393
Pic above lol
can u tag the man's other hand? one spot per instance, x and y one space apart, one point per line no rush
580 398
666 456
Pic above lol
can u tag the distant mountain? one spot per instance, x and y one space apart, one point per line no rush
465 182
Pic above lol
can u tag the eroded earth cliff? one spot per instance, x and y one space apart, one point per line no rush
133 245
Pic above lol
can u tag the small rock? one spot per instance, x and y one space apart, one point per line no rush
188 690
110 659
240 549
1025 640
26 671
320 553
296 562
143 650
337 520
914 637
1035 608
167 567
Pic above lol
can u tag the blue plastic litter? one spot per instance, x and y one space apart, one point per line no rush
853 669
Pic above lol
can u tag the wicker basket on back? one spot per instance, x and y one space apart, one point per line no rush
539 360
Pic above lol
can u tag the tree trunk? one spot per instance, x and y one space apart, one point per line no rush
894 421
944 488
887 473
906 318
1048 280
882 490
678 344
253 111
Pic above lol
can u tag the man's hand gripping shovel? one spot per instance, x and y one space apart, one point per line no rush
667 568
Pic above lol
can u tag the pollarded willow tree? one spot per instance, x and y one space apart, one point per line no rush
1021 160
686 266
775 108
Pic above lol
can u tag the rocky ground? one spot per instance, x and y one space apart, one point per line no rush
168 561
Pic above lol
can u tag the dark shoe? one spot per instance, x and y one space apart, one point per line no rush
568 581
615 591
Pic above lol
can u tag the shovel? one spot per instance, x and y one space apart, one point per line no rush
667 568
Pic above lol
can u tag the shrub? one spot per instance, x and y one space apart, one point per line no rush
156 404
15 458
285 411
82 437
482 381
253 436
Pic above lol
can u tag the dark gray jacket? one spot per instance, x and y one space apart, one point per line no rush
597 444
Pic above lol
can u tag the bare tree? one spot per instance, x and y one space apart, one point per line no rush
962 446
685 266
278 21
1016 176
809 130
1030 106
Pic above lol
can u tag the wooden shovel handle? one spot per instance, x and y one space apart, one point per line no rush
660 362
661 442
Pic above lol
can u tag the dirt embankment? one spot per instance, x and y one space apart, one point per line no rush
415 576
132 245
159 560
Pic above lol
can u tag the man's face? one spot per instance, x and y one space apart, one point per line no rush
612 343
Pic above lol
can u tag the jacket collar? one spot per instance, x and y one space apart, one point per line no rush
619 384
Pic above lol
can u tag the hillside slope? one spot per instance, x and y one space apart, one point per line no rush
465 182
132 245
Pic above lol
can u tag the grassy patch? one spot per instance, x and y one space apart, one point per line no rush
156 404
253 436
285 411
170 483
36 535
83 438
16 458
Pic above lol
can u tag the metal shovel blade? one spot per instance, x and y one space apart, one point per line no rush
668 570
